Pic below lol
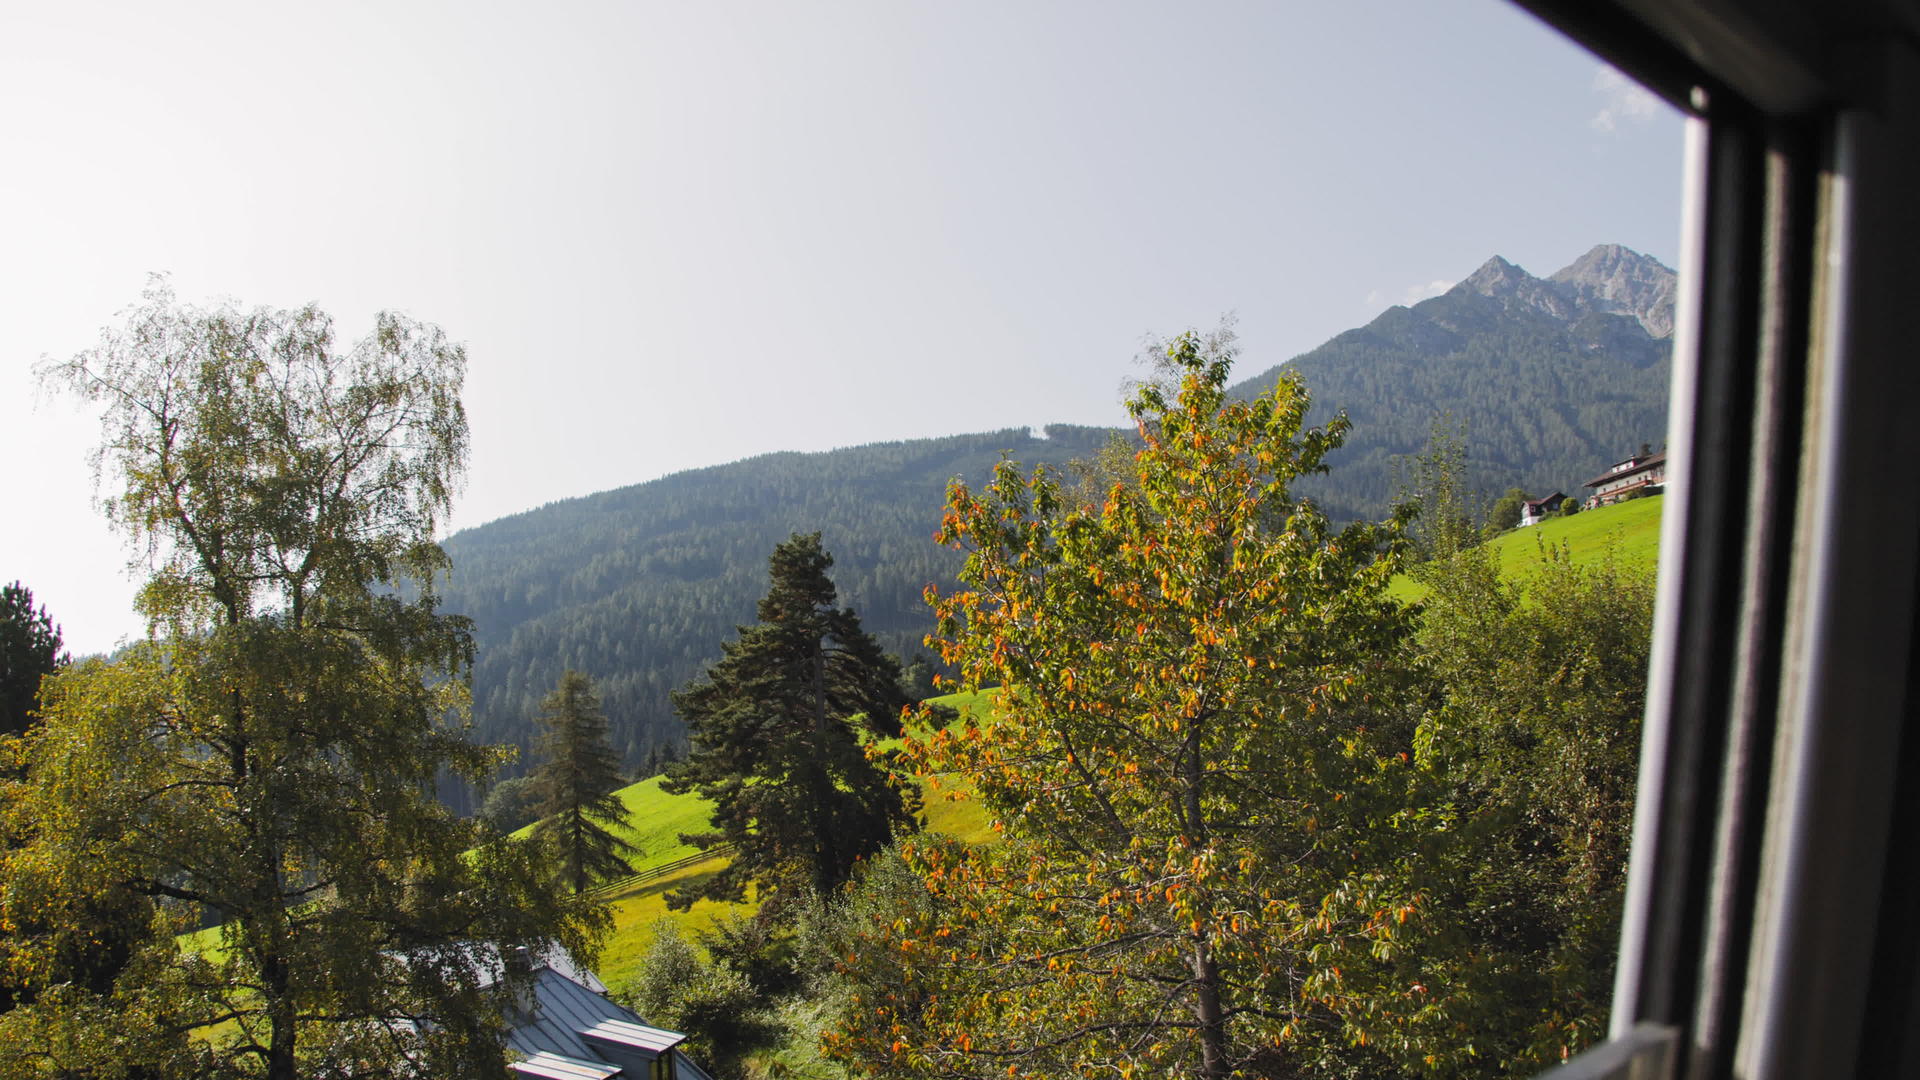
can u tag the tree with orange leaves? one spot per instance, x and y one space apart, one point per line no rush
1200 762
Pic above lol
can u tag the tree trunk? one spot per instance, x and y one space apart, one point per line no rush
280 1060
1206 973
276 987
825 861
1206 1009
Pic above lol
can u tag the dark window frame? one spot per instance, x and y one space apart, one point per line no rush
1769 929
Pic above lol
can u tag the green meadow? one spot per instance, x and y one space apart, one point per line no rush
656 819
1628 533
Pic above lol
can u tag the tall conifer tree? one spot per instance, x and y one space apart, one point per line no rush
575 785
29 651
775 747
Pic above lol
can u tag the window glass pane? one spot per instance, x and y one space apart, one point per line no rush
1255 770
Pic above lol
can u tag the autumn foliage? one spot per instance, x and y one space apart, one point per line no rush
1201 730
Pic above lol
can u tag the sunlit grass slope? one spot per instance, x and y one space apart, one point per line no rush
655 821
1629 531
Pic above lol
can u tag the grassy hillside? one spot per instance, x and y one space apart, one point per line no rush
1628 531
654 823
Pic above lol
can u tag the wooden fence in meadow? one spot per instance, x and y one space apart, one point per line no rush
651 873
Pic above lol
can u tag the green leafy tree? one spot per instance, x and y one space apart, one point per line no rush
90 943
917 678
29 651
709 1000
776 747
1437 487
267 759
1506 511
1534 735
1090 478
575 784
1199 757
510 804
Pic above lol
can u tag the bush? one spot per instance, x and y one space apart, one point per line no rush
710 1002
757 948
1506 511
510 804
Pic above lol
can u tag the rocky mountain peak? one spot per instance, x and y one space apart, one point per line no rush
1496 277
1609 279
1515 288
1621 281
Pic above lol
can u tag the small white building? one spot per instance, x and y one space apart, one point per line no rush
1534 511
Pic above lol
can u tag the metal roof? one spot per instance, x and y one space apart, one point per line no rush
653 1040
552 1026
561 1010
560 1067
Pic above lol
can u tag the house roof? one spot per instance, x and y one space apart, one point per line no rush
652 1040
560 1067
1548 501
559 1011
1628 468
561 1025
561 1021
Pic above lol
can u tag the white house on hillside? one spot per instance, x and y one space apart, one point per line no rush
1643 474
1534 511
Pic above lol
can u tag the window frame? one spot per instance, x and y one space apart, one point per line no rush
1768 929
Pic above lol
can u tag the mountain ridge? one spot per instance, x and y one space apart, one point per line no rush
639 585
1574 352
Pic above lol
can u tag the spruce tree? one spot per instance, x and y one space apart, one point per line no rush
775 745
574 787
29 651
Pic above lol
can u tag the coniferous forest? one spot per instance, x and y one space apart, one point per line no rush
638 587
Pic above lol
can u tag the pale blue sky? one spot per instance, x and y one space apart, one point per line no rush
673 235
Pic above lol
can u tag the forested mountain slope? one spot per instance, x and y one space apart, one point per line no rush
639 586
1553 378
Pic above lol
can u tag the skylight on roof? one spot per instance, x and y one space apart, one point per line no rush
559 1067
639 1036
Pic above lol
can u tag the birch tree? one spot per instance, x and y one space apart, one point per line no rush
266 761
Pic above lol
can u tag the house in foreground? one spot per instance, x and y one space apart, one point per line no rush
1643 474
564 1027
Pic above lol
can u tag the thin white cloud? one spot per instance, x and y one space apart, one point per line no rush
1408 296
1623 101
